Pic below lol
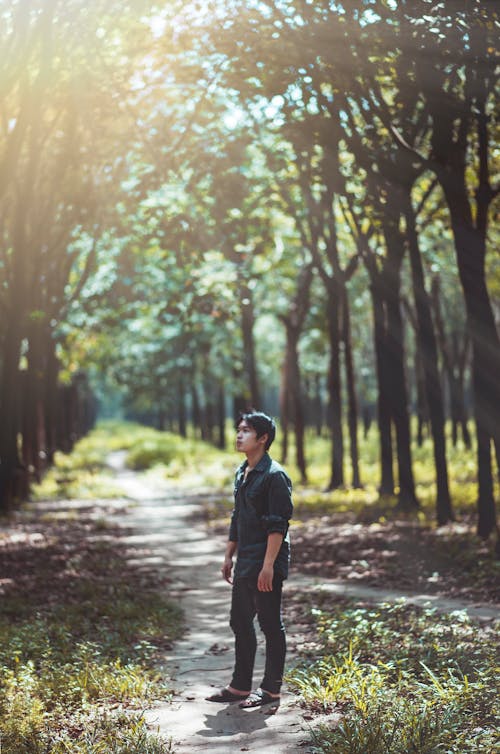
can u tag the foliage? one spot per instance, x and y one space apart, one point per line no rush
406 680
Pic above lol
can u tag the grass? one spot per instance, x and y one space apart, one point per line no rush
193 463
80 637
404 679
82 632
83 473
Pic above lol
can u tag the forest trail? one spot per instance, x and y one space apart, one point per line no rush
160 533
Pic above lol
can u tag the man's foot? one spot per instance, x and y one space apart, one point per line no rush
258 698
228 695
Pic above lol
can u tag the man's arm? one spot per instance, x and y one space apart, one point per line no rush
227 566
265 580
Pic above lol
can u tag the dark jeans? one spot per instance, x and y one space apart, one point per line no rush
247 602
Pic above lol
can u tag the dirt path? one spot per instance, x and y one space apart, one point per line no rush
161 534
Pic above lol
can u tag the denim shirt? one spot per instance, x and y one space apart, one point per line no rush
262 505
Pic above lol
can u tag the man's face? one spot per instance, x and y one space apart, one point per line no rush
246 439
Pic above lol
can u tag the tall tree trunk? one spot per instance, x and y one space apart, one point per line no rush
51 400
284 402
454 362
318 405
181 408
457 389
422 406
352 403
291 398
33 420
383 406
10 399
252 392
407 499
334 389
450 147
221 416
196 409
470 245
295 396
429 360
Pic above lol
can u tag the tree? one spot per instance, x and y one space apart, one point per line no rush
457 79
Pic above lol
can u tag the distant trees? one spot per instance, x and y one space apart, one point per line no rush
63 83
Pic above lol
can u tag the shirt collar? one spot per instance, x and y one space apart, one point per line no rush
263 465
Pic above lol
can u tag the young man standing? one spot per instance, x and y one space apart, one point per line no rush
259 535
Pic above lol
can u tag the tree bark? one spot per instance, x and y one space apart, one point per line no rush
284 402
221 417
398 397
383 407
428 358
181 409
10 404
51 400
454 357
294 397
352 403
252 392
470 245
334 389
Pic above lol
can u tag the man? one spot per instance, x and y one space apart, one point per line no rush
259 535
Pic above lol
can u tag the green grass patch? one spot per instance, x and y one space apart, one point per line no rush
81 634
189 462
404 679
193 463
366 503
83 473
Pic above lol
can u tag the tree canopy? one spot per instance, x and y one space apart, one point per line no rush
284 204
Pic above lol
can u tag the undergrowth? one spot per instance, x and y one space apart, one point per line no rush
192 462
404 680
80 636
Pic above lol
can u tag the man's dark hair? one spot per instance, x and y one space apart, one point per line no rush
262 423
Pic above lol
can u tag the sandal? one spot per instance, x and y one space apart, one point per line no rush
224 695
258 698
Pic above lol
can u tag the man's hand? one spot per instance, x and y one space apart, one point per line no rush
226 569
265 580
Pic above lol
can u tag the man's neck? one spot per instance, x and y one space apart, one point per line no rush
254 458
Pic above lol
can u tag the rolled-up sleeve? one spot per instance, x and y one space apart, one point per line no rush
280 504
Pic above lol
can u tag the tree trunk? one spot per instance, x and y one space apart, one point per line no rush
470 246
33 423
295 396
407 499
181 409
383 407
284 402
427 347
10 403
352 410
457 387
221 417
454 360
51 400
252 392
318 406
334 389
422 407
196 410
